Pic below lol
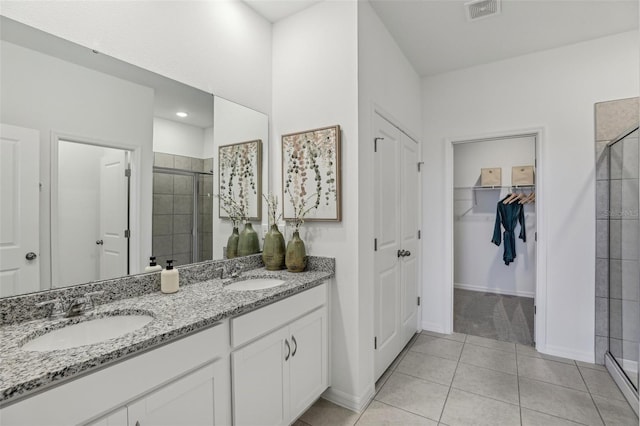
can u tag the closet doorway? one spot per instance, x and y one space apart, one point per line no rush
494 238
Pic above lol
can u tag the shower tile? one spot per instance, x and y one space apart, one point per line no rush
182 223
183 163
161 159
206 223
206 205
162 245
183 204
630 280
182 243
602 345
162 183
630 320
614 117
602 316
615 347
615 279
617 158
182 259
162 224
615 323
182 185
602 278
630 160
602 161
197 164
629 193
629 238
602 238
602 199
163 204
630 350
615 200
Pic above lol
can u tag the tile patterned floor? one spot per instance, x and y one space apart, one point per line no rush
457 380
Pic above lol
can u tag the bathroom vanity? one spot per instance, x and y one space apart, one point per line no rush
211 355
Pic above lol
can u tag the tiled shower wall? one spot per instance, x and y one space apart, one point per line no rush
612 118
173 209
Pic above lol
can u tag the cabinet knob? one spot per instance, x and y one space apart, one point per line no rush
295 348
286 357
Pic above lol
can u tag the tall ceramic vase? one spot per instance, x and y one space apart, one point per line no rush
273 251
232 244
296 256
248 241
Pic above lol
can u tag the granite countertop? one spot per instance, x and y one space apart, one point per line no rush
194 307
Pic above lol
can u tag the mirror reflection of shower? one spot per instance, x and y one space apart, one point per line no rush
90 213
182 209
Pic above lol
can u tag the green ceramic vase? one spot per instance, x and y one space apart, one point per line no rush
296 257
232 244
248 241
273 251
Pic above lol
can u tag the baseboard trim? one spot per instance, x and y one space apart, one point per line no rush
567 353
348 401
470 287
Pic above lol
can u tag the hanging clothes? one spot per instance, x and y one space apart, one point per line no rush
508 215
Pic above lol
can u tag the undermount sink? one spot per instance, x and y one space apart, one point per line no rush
87 332
254 284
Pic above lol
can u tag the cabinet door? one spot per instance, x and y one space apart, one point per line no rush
188 401
116 418
308 364
260 372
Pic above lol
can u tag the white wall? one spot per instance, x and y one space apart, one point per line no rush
478 263
387 83
315 85
221 47
556 90
176 138
51 95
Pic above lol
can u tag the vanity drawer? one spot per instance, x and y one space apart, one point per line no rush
261 321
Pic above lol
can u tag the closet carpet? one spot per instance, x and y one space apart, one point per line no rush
494 316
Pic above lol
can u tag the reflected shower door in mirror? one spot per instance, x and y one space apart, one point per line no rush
88 97
90 213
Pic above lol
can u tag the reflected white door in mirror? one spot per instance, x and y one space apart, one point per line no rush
19 238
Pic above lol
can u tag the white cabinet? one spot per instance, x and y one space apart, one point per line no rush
276 377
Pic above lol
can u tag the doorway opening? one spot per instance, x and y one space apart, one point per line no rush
91 186
494 238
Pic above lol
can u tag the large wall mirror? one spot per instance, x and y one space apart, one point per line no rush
104 164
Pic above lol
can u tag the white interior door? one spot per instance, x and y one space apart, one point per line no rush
19 210
112 242
395 223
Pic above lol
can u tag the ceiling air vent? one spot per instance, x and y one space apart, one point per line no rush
478 9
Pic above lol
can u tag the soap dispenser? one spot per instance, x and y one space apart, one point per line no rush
169 279
153 266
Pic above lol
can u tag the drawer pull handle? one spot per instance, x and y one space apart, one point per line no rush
295 348
286 357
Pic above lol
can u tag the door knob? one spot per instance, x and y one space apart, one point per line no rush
407 253
99 242
31 255
400 253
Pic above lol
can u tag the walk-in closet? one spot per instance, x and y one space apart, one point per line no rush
494 268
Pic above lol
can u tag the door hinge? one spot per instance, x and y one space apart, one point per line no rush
375 143
535 309
419 164
127 233
127 172
418 300
375 244
419 234
535 236
375 343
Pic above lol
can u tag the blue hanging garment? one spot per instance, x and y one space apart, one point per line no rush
508 215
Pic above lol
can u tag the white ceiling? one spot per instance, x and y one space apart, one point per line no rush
436 37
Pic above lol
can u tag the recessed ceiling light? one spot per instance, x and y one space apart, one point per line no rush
182 114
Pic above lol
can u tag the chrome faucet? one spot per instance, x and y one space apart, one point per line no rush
77 306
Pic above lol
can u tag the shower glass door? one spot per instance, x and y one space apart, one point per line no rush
624 269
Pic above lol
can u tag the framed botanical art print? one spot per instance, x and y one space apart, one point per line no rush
240 180
311 175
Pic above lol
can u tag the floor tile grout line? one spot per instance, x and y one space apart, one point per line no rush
406 411
446 399
554 384
555 416
518 385
591 396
